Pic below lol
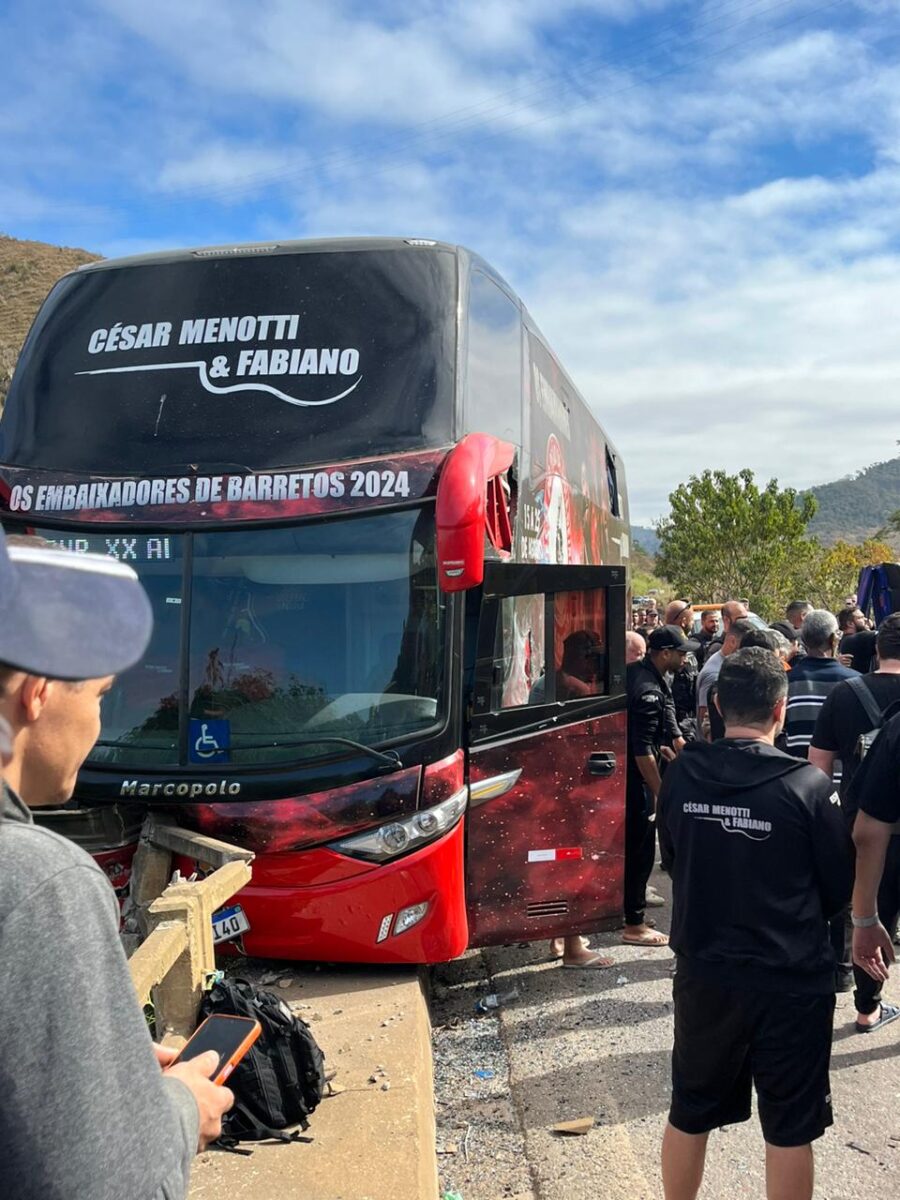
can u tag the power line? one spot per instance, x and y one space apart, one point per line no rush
457 122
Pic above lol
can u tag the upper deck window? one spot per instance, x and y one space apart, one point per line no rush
612 483
257 362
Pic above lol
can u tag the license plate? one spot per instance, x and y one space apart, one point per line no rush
228 923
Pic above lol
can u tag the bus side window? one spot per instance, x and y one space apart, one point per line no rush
612 484
519 653
578 668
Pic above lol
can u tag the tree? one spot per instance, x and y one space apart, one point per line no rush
891 527
727 538
836 571
644 578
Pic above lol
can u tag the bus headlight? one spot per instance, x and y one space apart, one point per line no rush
427 823
395 838
408 917
399 837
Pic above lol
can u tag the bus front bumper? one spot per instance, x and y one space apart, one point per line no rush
336 909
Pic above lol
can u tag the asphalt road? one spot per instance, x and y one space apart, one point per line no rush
597 1043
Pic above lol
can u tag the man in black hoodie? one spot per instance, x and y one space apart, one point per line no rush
760 861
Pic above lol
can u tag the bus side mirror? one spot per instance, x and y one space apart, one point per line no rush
470 503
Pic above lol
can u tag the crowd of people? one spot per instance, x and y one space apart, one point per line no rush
765 760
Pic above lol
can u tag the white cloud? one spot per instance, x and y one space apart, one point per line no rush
715 334
311 53
241 169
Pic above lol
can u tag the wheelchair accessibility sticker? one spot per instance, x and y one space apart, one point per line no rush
210 741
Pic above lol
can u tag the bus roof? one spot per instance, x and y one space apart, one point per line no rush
288 246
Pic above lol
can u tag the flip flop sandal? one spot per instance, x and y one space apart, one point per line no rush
889 1012
656 940
599 963
585 942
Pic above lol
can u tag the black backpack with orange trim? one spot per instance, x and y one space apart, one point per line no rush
280 1081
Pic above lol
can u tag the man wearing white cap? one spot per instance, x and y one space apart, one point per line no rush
85 1108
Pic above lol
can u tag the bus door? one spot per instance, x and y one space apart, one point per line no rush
546 824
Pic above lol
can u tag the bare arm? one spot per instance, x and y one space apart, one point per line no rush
703 722
823 759
872 947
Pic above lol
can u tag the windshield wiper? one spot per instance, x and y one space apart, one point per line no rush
388 758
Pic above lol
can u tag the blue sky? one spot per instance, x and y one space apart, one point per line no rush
698 201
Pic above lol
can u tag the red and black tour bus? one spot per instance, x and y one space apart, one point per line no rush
386 544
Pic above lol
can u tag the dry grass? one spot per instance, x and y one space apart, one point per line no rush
27 272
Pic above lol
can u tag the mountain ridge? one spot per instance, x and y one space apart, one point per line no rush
850 509
28 270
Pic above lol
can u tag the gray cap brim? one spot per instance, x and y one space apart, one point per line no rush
71 616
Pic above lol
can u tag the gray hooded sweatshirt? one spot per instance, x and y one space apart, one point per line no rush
85 1112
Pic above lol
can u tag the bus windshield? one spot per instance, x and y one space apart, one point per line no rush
270 642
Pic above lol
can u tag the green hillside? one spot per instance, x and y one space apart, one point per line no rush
857 506
28 270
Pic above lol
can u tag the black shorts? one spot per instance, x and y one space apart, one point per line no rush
728 1038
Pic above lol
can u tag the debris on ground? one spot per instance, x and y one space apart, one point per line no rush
580 1125
496 1000
477 1116
483 1073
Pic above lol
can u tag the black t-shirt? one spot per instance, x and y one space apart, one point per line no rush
862 646
842 719
876 785
703 639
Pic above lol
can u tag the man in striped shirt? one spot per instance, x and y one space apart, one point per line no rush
810 681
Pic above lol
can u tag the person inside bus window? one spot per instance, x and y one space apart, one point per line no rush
580 671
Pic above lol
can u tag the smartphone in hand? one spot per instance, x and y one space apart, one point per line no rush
230 1037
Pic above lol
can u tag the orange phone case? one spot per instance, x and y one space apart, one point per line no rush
237 1054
